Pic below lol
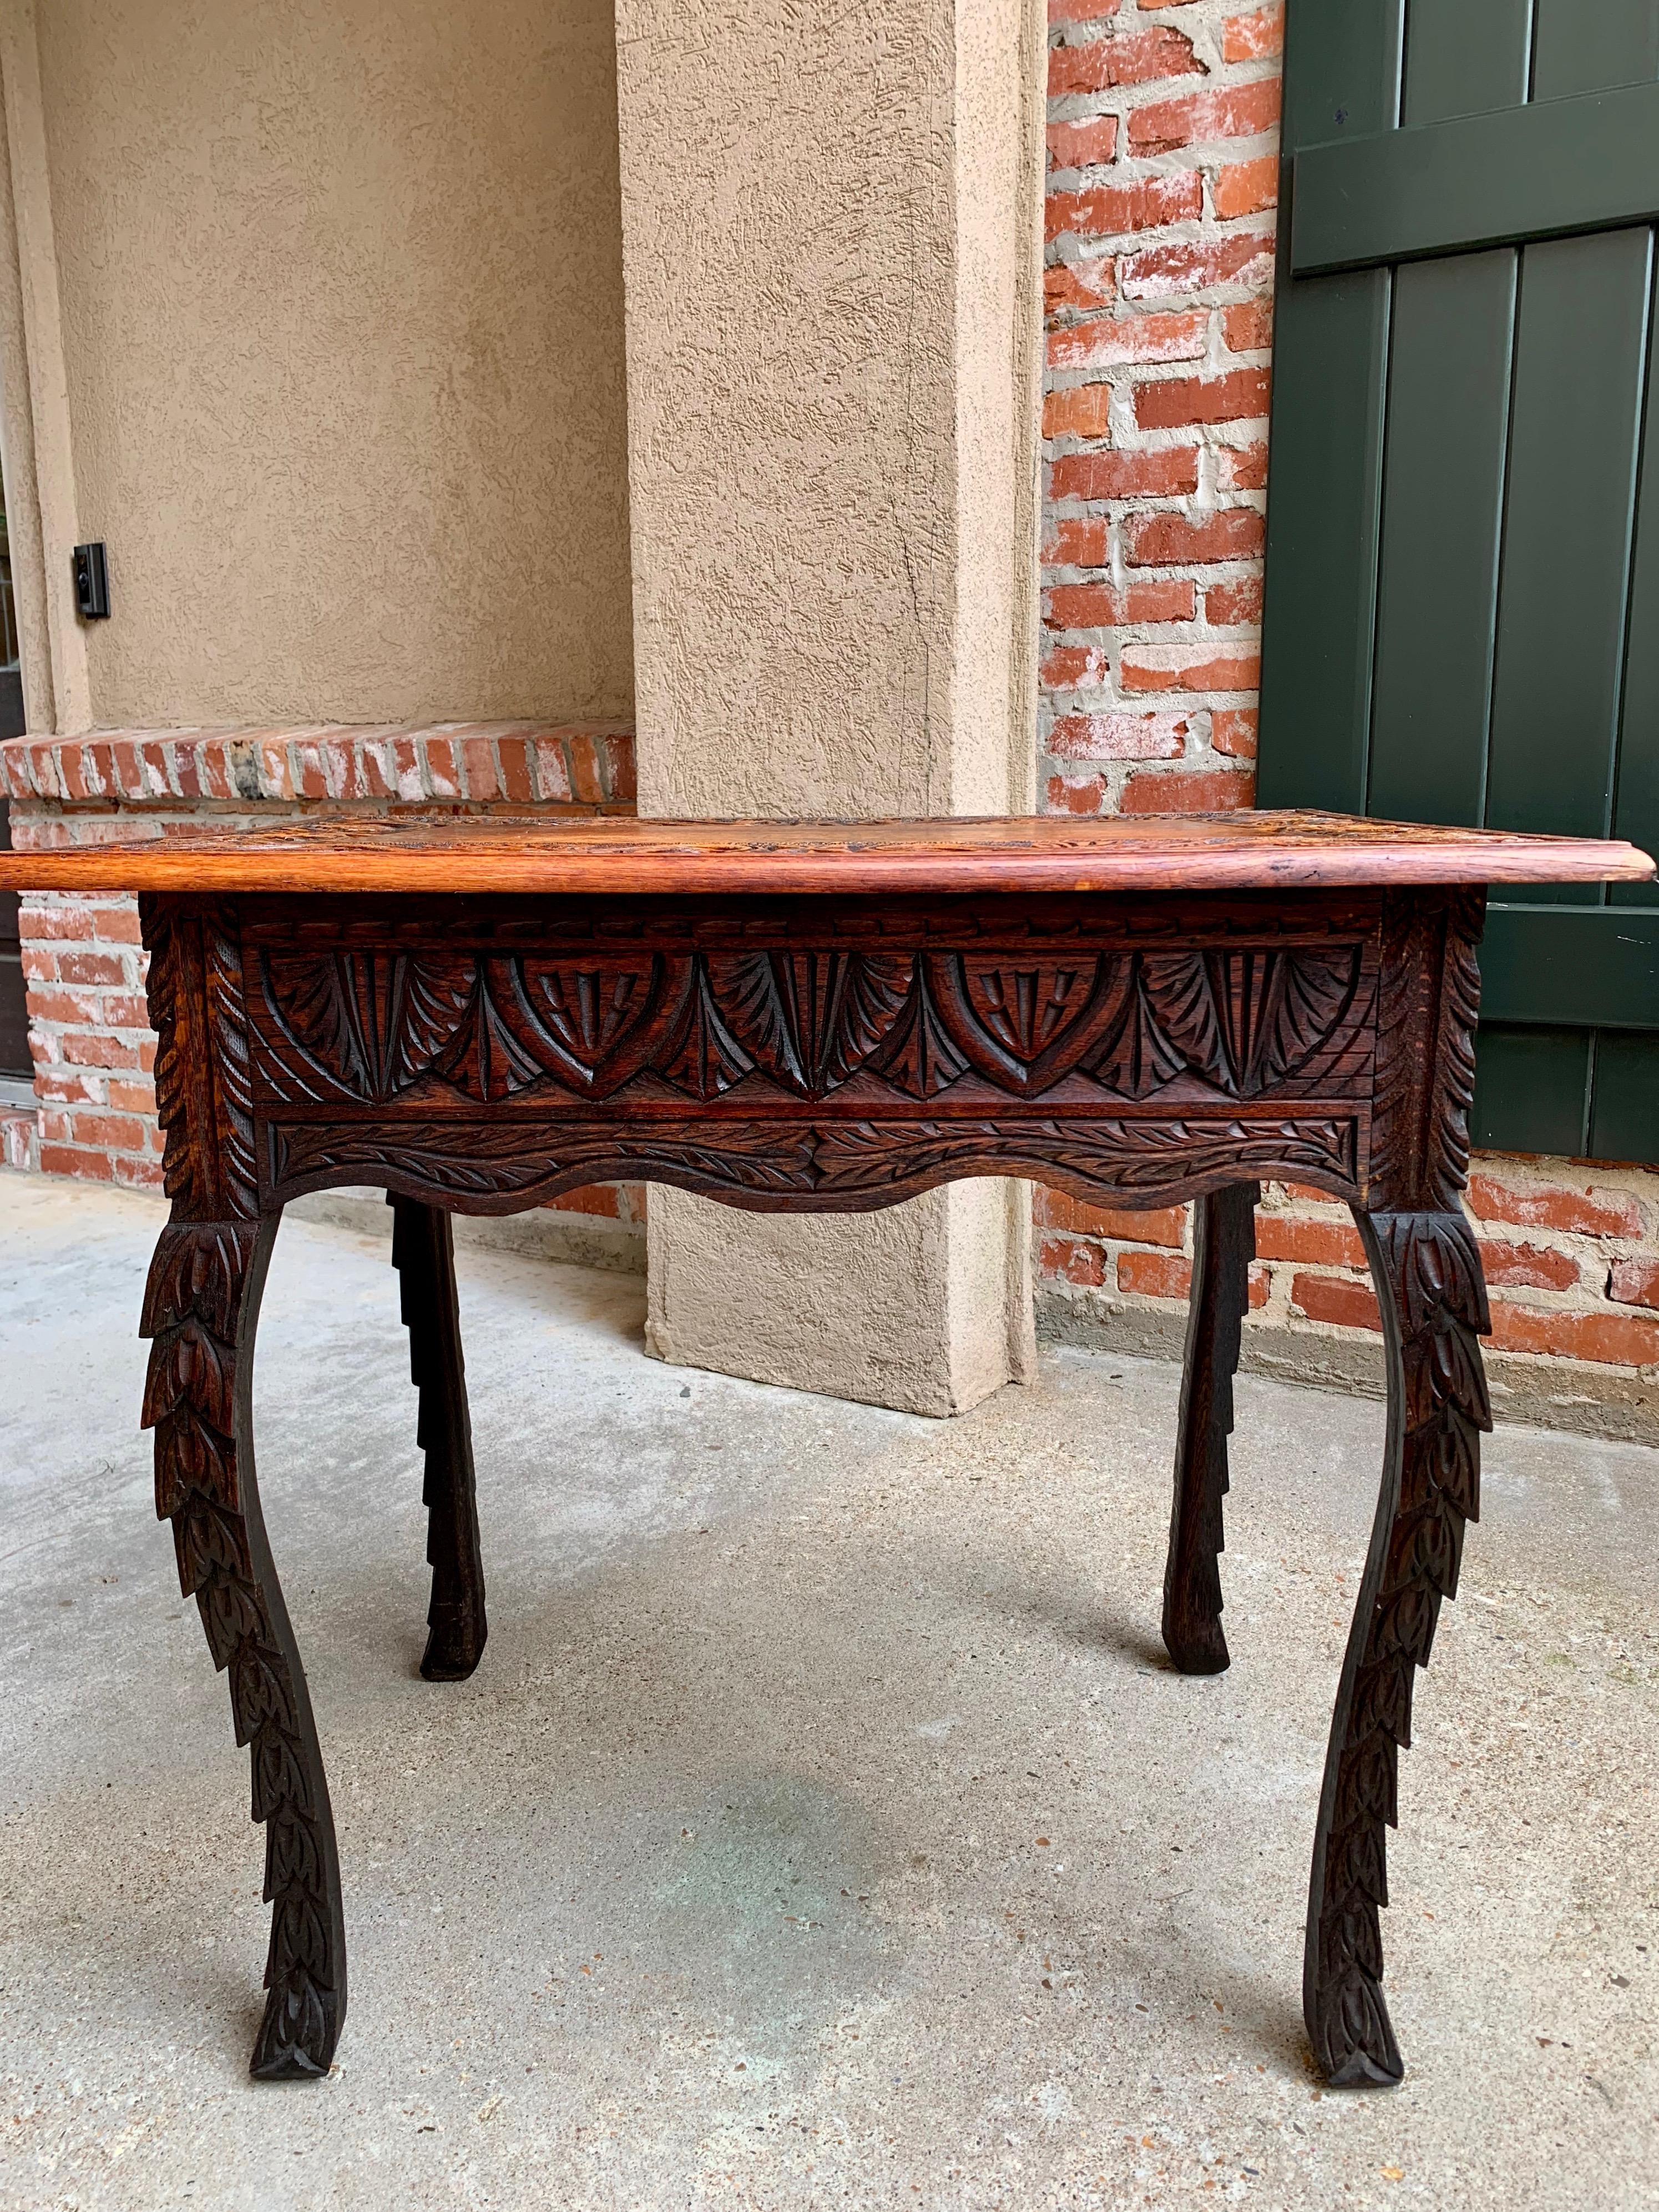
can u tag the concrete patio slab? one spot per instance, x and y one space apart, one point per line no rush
825 1826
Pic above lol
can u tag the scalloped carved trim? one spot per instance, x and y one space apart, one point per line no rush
786 1164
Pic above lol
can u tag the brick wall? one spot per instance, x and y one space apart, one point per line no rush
1162 173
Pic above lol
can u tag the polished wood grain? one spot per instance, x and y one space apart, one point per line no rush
1259 850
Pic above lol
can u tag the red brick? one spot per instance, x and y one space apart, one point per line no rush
1240 110
1107 210
1065 794
518 778
1225 605
91 967
59 1087
1096 606
1253 38
60 1007
1080 11
1126 57
1163 272
1110 341
592 1198
39 964
1083 411
1246 187
1080 287
137 1175
478 776
1086 145
1077 540
62 924
621 769
1248 327
1072 1261
1582 1211
1074 667
1527 1267
1115 737
1119 737
1160 473
1242 468
132 1097
113 1133
1316 1243
88 1048
1609 1339
1202 791
1233 730
1164 1225
1335 1299
1154 1274
116 926
1236 671
1162 541
68 1160
1634 1283
1174 401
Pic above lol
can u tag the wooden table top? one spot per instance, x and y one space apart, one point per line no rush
1259 850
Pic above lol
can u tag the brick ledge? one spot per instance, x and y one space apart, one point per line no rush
580 765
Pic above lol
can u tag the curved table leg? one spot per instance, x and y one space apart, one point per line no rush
1427 1271
201 1307
1223 1244
424 1253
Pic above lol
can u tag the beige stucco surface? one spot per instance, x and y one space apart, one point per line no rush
340 288
829 225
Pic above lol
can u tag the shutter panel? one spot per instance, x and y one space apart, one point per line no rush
1462 595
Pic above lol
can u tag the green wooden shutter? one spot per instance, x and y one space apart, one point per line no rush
1462 594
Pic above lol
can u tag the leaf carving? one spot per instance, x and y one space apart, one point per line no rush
593 1022
702 1055
371 1023
1023 1024
811 1019
1246 1019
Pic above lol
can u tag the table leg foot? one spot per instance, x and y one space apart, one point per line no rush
424 1253
1224 1246
1427 1272
201 1308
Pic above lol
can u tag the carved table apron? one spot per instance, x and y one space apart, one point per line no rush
818 1051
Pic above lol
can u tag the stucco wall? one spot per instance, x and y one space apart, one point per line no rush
340 302
830 235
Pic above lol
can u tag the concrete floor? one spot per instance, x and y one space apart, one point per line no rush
825 1826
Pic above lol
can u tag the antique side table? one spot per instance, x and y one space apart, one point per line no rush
796 1016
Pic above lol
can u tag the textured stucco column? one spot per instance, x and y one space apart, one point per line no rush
831 265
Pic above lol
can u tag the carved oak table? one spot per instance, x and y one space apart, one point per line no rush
478 1014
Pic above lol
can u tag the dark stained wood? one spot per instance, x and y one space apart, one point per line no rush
805 1051
1045 852
1224 1245
201 1307
423 1254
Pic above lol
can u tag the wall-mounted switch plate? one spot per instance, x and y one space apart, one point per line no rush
91 582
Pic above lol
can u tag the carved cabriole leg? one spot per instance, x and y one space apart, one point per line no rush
1428 1277
1223 1244
201 1306
424 1253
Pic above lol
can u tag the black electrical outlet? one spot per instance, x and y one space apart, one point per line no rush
91 582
